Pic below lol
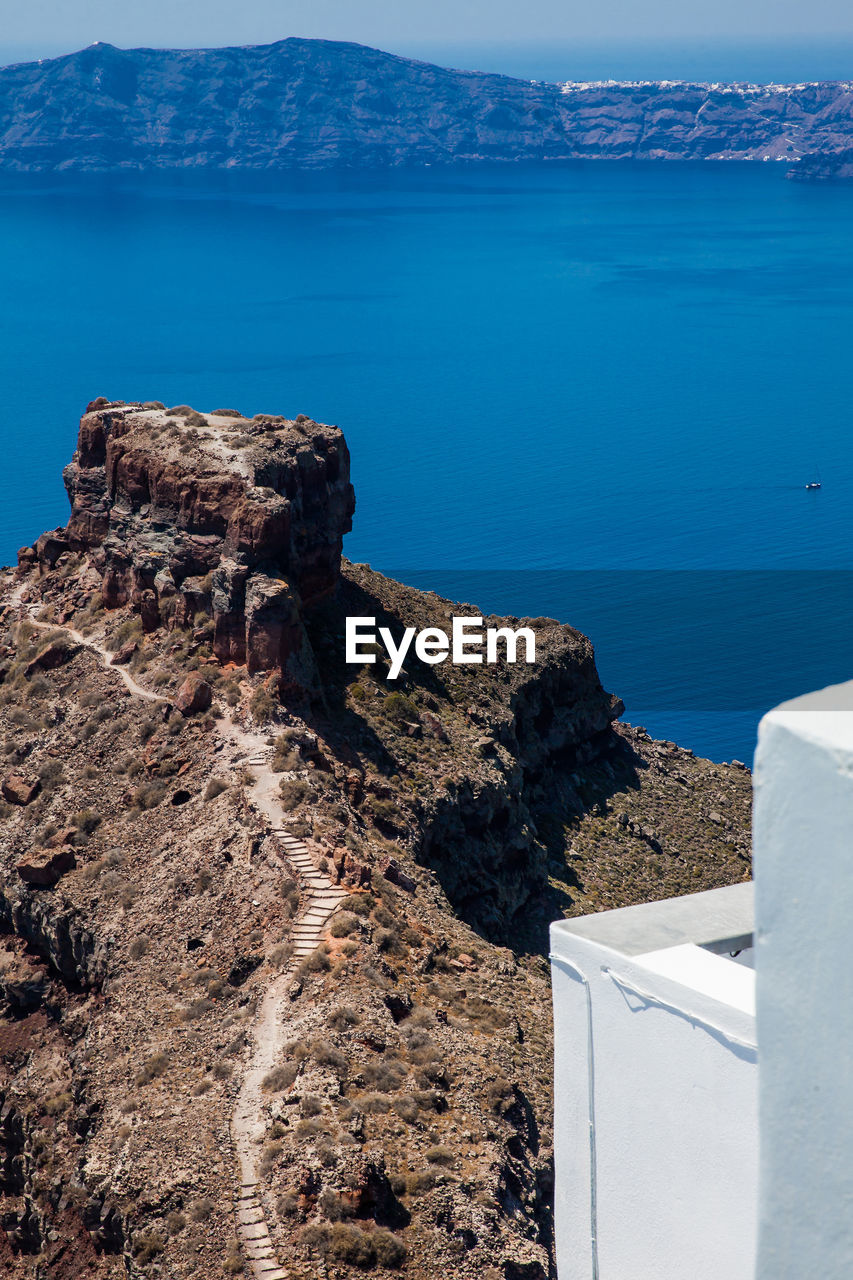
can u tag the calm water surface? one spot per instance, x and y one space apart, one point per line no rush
563 384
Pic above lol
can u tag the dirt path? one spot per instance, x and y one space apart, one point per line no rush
320 901
321 898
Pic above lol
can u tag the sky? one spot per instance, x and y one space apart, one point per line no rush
492 34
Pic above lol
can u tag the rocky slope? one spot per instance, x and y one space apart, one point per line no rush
825 166
318 104
149 903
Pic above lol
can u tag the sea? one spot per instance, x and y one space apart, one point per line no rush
593 391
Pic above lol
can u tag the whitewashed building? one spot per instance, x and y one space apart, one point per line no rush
678 1157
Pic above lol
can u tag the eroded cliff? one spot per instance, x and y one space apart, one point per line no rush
185 514
164 751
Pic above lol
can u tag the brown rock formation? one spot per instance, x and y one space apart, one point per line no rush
43 867
18 789
195 694
186 514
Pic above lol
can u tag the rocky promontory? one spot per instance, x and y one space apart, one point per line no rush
184 514
189 767
319 104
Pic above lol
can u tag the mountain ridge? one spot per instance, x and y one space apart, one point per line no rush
309 104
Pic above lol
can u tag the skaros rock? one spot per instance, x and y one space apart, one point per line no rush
432 645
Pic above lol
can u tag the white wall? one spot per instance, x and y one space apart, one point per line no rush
803 838
656 1087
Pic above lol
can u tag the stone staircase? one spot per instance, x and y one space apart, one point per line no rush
321 900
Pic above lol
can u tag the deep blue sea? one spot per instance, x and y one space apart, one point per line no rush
594 391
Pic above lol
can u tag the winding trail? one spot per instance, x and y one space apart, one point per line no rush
321 898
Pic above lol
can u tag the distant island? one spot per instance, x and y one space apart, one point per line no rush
318 104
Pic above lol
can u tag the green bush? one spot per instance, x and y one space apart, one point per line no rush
399 709
263 705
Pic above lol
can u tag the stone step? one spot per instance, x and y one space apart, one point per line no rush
259 1249
256 1231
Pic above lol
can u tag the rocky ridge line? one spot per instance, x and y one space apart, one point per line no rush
321 902
319 104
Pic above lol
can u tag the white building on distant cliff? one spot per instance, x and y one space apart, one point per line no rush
662 1115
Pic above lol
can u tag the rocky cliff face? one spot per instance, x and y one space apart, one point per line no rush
149 898
825 166
318 104
186 514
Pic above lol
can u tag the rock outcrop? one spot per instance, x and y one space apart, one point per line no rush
165 866
319 104
824 166
186 514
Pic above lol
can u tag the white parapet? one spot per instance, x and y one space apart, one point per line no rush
803 841
656 1091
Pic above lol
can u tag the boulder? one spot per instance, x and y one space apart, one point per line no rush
124 654
350 872
390 869
53 655
41 868
21 789
27 560
195 694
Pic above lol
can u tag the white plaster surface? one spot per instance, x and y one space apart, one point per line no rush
703 971
655 1113
803 839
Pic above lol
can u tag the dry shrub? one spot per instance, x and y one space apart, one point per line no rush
280 1078
271 1155
153 1068
344 1016
326 1055
389 941
351 1245
344 924
310 1128
233 1261
407 1109
317 962
263 705
287 1205
147 1245
439 1155
375 1104
149 795
139 947
215 788
384 1074
333 1207
292 791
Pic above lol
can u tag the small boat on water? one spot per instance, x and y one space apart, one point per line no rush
813 484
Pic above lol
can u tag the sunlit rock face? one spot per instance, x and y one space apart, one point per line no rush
187 513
